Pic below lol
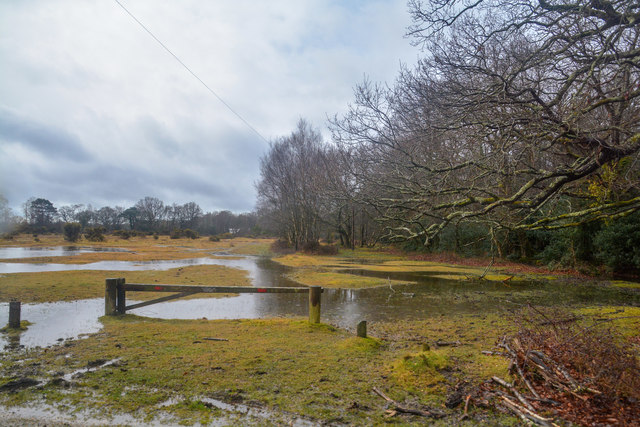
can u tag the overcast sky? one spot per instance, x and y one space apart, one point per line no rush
93 110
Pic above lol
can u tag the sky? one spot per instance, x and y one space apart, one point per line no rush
94 111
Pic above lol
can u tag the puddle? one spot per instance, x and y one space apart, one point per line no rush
53 321
37 415
261 413
22 252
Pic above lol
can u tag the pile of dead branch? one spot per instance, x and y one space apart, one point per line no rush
567 367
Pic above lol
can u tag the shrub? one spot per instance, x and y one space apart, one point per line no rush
221 236
618 244
281 247
318 249
123 234
188 233
72 231
94 234
588 366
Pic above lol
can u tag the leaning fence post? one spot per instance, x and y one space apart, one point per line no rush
315 294
110 296
121 303
14 314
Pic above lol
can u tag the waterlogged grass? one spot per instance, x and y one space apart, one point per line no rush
286 366
626 320
75 285
625 284
332 279
140 248
167 369
335 271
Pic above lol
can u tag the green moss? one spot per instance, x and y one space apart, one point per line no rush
625 284
334 279
24 325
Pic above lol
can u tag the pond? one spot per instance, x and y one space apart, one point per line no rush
427 296
22 252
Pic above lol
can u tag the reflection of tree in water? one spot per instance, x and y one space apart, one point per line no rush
427 297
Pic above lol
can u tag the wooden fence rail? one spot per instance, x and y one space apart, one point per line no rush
115 295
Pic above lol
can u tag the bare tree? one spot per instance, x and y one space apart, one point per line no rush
289 188
510 118
68 213
151 211
191 212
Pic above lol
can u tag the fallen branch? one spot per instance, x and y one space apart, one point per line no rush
466 408
397 407
448 343
515 392
214 339
526 414
514 360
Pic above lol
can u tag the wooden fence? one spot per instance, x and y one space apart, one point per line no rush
115 301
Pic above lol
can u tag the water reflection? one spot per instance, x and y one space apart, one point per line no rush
53 321
22 252
10 267
342 307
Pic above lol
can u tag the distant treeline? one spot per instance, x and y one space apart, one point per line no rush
148 215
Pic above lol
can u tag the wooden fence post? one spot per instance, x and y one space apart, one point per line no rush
315 294
14 314
121 303
361 329
110 296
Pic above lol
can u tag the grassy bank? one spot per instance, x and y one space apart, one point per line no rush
170 370
75 285
167 368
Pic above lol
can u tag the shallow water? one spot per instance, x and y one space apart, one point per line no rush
428 296
22 267
22 252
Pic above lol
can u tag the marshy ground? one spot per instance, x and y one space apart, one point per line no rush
140 370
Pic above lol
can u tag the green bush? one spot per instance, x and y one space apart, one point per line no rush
94 234
72 231
617 245
188 233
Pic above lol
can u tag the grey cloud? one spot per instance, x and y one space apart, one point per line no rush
44 138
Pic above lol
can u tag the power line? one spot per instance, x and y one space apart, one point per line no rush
191 72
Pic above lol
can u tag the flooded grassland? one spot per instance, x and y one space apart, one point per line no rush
254 359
